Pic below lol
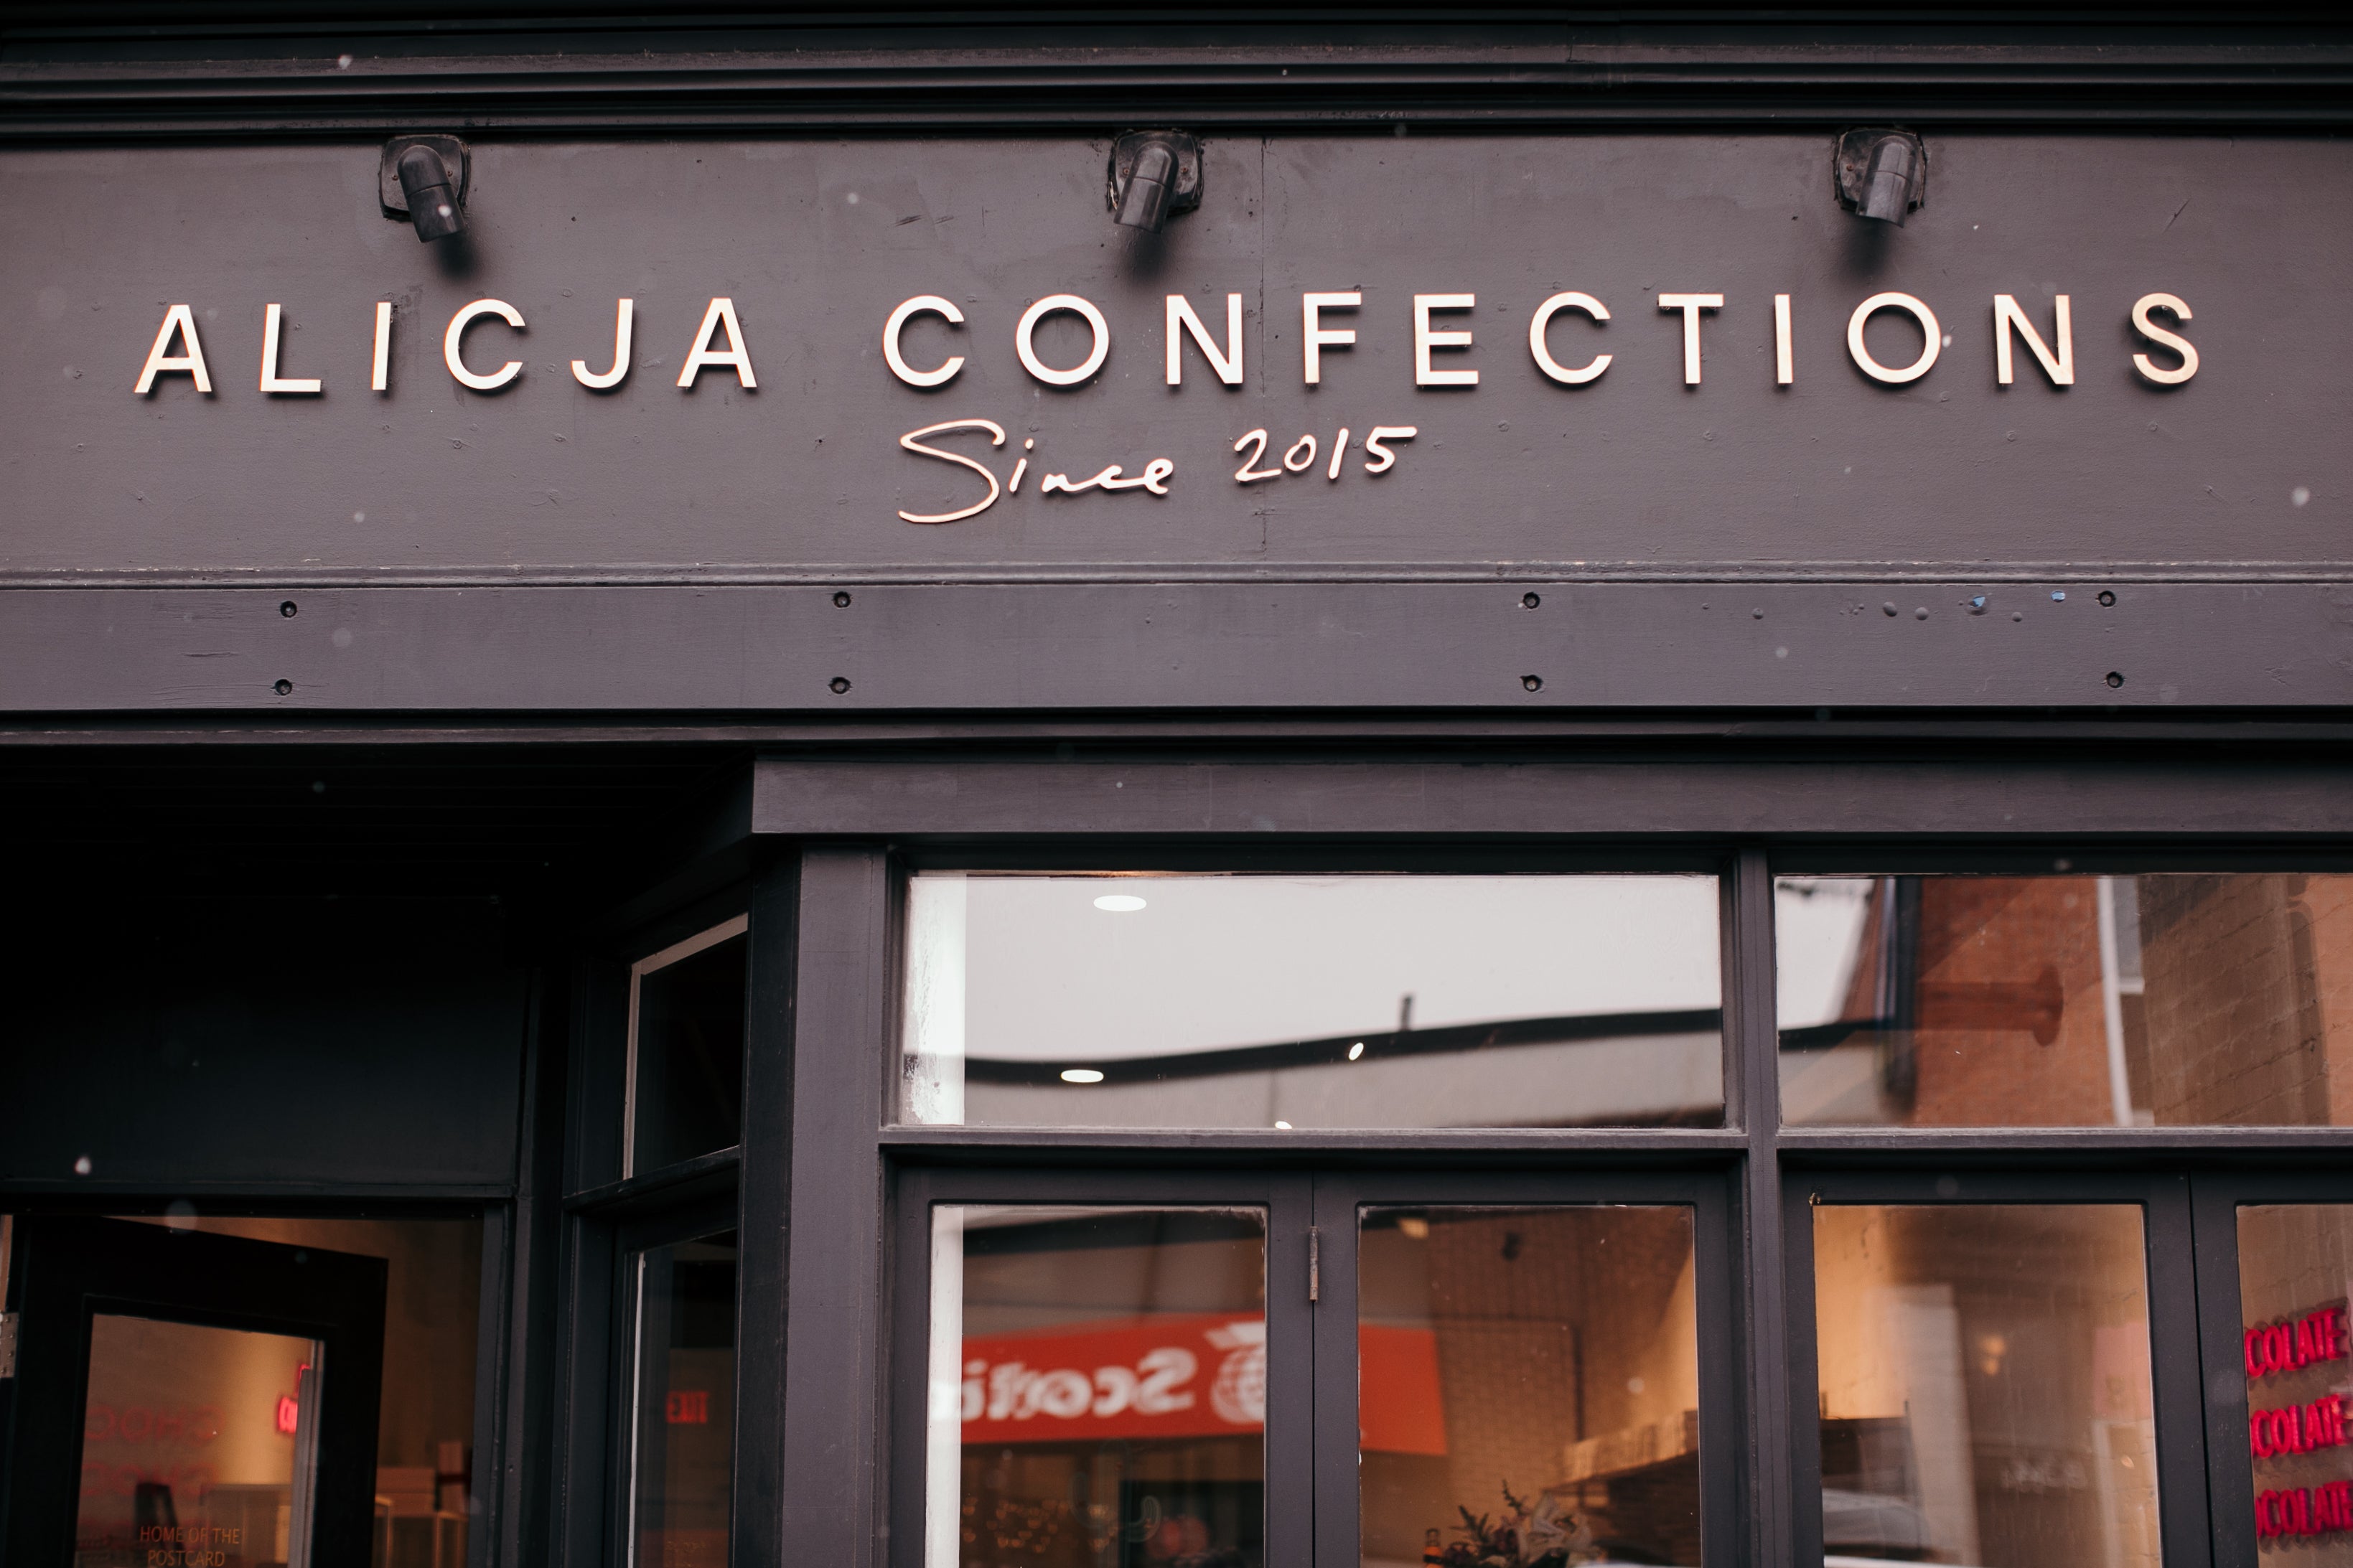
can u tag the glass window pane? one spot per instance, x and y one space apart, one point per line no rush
686 1049
2294 1262
1098 1388
197 1445
1532 1370
683 1459
2066 1001
1985 1384
1282 1001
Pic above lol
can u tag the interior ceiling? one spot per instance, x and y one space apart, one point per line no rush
557 823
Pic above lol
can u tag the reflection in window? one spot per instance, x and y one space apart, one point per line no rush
686 1049
1985 1386
1098 1388
1281 1002
182 1455
2294 1262
2066 1001
1530 1370
682 1461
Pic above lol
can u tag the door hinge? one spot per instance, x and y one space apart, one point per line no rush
1314 1265
8 1322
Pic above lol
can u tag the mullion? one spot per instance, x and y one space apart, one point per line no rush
1753 1063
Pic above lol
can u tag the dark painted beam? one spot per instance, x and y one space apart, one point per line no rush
903 648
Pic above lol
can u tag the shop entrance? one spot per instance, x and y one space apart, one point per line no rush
185 1400
1388 1370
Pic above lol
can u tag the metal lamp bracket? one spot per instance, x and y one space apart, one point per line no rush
450 148
1186 192
1851 165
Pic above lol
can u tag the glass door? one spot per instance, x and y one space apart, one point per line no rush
1521 1368
1131 1370
190 1401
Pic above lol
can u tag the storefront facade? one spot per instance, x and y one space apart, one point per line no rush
1118 791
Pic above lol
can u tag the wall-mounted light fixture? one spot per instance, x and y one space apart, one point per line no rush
1882 172
422 179
1155 174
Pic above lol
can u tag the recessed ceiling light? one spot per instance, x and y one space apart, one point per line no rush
1120 903
1285 1125
1355 1050
1080 1075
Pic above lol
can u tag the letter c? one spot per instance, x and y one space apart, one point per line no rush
457 325
897 362
1552 367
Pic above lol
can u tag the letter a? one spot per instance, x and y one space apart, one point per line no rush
179 318
722 311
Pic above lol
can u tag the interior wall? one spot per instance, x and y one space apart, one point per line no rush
432 1313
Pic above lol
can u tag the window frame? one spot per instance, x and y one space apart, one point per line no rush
652 963
1751 811
2167 1282
688 1220
1279 859
1288 1444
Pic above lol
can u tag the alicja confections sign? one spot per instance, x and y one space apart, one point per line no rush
1444 357
783 360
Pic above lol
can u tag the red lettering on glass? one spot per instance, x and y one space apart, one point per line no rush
689 1408
2297 1428
2305 1511
2295 1342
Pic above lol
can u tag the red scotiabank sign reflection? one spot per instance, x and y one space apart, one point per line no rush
1194 1376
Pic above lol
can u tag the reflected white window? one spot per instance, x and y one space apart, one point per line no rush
1250 1001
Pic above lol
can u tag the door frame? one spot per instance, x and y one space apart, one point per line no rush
68 1269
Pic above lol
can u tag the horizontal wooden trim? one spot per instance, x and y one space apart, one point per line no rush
703 1175
1886 1147
1229 647
1246 803
1077 67
1054 1146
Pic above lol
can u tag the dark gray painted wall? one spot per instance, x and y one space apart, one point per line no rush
253 1040
1634 473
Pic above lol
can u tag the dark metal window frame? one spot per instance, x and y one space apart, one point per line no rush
610 1219
860 1179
